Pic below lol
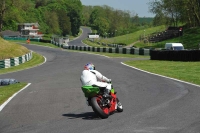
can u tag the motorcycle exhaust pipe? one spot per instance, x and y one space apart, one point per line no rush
107 101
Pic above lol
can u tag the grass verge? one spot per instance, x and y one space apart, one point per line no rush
8 91
10 49
186 71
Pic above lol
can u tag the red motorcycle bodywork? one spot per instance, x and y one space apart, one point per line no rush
113 103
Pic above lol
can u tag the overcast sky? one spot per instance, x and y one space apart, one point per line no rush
135 6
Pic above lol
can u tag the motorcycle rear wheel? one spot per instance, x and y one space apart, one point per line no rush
102 112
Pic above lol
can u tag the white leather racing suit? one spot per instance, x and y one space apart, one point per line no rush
93 77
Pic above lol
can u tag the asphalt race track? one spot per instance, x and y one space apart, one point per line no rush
54 102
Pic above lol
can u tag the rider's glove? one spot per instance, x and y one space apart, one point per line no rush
109 80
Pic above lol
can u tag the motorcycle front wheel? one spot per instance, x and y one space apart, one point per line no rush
102 112
119 106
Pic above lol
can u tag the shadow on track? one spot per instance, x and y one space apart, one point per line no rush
86 116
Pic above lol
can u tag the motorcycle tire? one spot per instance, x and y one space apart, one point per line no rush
119 109
102 112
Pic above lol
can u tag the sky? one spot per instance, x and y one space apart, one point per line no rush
139 7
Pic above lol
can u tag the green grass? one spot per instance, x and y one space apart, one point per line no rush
186 71
190 40
9 90
131 37
9 50
92 44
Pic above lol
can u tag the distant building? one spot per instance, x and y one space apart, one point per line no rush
29 30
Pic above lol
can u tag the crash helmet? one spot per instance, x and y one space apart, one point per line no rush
89 66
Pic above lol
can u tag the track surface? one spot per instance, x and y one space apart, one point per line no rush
54 102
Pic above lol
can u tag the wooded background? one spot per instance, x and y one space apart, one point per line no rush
64 17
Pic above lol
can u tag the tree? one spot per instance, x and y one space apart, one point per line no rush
101 25
74 13
51 20
194 10
40 3
159 19
175 11
15 12
93 16
4 5
64 22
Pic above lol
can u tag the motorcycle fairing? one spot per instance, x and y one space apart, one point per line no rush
90 91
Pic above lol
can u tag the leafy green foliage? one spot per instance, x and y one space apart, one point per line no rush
54 16
173 12
100 25
110 22
64 22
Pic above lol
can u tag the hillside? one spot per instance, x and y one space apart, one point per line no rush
131 37
10 50
190 40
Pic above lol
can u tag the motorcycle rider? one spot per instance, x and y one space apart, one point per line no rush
90 76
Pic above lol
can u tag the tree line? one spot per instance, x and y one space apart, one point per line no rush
174 12
62 17
109 22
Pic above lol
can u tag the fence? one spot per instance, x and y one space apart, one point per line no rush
173 55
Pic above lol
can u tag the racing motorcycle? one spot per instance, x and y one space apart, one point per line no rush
101 105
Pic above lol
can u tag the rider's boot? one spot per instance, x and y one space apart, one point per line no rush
107 94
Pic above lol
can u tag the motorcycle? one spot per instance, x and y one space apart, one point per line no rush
102 106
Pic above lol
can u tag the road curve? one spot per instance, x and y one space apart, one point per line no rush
78 41
54 102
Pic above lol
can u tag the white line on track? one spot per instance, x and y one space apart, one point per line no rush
6 102
146 71
161 75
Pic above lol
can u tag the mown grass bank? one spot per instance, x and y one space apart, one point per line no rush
10 49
